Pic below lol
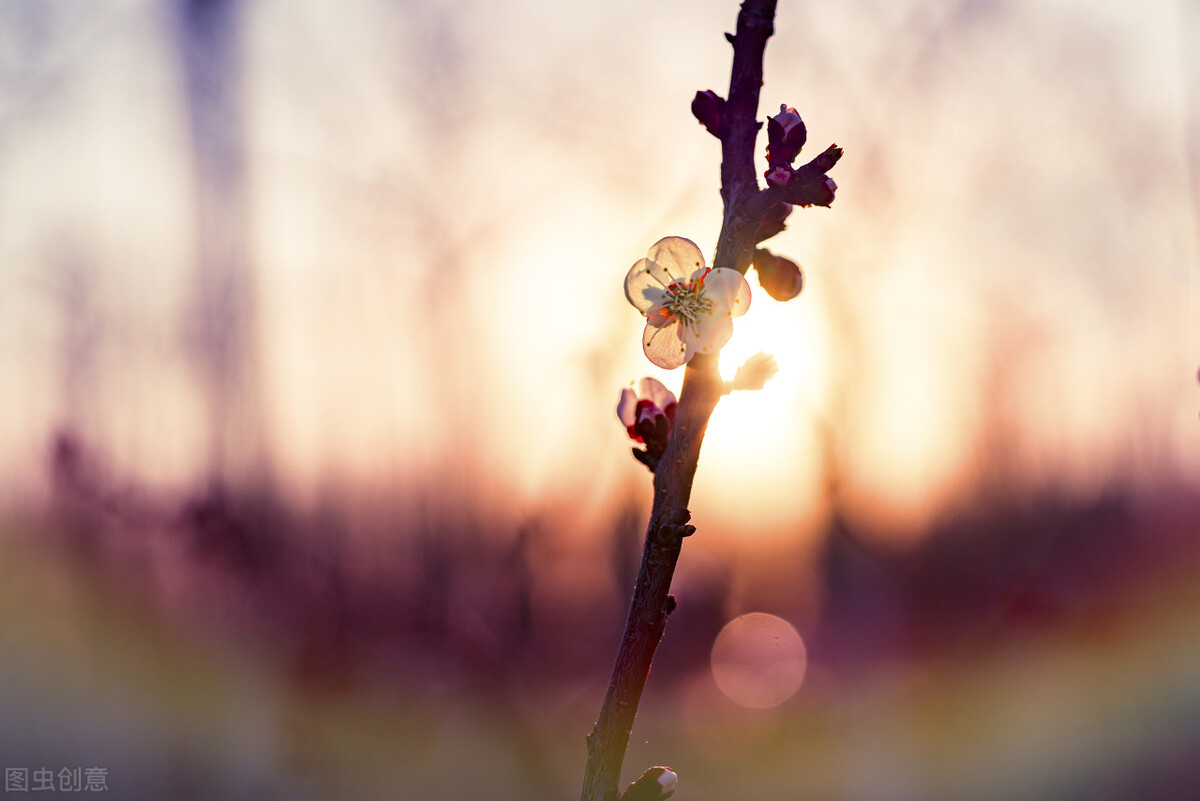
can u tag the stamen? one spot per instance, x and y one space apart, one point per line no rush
686 300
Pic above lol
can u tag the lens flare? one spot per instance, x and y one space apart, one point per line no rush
758 660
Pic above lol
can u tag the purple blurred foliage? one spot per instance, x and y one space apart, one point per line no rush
464 603
977 577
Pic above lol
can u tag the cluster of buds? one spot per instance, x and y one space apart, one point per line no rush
808 185
648 415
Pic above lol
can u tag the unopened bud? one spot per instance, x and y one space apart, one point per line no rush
654 430
779 175
782 278
807 185
773 222
786 136
708 107
656 784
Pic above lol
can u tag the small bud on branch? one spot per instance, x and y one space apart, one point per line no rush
782 278
807 185
708 107
786 136
648 415
773 221
656 784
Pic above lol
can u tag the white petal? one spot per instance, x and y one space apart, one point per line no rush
728 291
668 780
663 346
626 405
652 389
755 372
645 284
678 256
709 336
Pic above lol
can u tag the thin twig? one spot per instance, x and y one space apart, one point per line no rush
739 182
702 388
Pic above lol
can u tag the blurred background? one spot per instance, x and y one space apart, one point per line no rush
311 336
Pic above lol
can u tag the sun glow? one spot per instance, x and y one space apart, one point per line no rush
762 461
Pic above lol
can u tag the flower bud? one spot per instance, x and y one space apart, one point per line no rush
779 175
653 427
650 402
809 184
656 784
648 414
786 136
782 278
708 106
803 187
773 221
817 192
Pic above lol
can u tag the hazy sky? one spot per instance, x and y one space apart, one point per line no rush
444 198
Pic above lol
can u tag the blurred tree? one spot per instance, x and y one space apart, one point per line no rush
222 328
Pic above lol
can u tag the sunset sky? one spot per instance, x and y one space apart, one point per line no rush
444 198
312 332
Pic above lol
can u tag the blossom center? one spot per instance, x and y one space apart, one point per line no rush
686 301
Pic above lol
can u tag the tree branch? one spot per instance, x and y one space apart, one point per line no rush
739 183
745 206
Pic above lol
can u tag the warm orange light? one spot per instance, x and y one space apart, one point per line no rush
761 467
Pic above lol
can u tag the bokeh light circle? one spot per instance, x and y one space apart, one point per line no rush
758 660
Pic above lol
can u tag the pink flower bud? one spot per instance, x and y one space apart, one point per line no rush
708 106
803 187
779 175
648 412
786 136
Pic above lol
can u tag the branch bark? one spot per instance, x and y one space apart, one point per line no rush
739 182
702 388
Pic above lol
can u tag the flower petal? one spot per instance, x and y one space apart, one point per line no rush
755 372
709 336
645 284
663 346
626 405
678 256
653 390
728 290
658 316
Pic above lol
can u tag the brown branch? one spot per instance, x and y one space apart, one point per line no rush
702 388
739 183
